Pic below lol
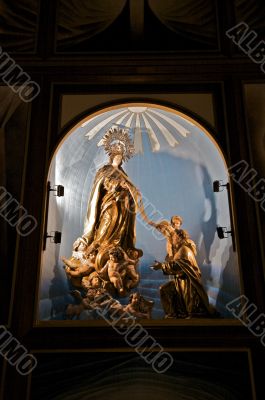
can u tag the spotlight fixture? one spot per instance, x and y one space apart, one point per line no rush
57 236
217 185
222 231
59 192
59 189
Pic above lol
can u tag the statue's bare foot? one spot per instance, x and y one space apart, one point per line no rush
66 261
71 263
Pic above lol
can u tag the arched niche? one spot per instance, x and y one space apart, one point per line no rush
175 165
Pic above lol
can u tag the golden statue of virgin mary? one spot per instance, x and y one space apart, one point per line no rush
112 206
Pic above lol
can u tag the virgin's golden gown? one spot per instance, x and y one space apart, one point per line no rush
111 212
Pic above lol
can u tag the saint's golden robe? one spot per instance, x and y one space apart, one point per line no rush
185 296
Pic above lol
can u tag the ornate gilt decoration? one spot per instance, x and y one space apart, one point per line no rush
117 141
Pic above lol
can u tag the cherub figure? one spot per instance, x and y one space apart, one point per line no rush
120 269
176 223
95 289
171 230
115 269
82 262
139 307
132 276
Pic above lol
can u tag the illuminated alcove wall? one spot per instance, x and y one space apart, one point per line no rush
175 165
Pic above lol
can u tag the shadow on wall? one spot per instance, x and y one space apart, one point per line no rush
208 227
59 294
228 283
